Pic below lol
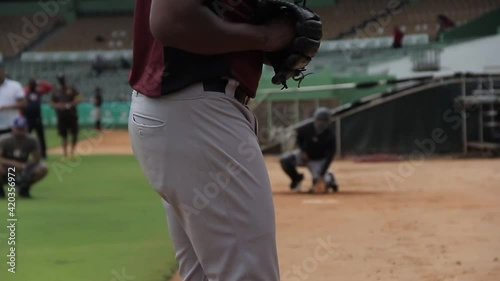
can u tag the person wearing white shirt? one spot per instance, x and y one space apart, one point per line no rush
11 101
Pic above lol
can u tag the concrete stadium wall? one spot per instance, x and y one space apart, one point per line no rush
476 56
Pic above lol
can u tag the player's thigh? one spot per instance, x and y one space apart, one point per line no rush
74 128
292 157
227 203
202 155
315 167
189 266
62 127
40 170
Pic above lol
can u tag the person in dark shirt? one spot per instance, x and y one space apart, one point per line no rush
398 38
20 156
33 110
96 112
316 150
64 101
445 23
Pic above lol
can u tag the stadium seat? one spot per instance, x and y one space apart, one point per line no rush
92 33
14 25
420 16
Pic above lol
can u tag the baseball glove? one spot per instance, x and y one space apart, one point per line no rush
319 186
291 61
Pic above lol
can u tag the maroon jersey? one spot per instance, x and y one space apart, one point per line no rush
159 70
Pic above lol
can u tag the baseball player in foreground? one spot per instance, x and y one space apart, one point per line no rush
196 65
316 150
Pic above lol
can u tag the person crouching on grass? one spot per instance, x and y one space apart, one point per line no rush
16 149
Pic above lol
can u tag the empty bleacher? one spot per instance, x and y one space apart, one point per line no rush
83 34
17 32
418 17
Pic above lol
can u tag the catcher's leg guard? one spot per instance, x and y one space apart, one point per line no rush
331 181
289 164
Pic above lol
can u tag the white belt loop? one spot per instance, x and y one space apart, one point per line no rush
231 87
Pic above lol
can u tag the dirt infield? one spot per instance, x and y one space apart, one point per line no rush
436 220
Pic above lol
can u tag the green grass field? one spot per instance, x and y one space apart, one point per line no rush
53 140
99 221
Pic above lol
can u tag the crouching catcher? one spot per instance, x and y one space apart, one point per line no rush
316 150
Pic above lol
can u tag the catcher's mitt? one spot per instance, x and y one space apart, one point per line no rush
319 186
291 61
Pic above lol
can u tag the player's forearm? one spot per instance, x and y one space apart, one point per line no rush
328 160
16 106
13 163
300 142
44 87
189 26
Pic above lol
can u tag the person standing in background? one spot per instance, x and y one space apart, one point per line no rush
398 38
11 101
96 112
33 110
444 23
64 101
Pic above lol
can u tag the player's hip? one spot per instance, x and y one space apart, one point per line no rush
198 105
192 131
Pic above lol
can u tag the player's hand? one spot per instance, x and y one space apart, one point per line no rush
279 34
319 186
